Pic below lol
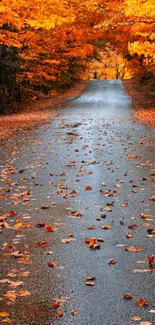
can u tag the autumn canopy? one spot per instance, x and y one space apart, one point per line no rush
48 44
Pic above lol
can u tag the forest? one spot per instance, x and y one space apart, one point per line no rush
48 45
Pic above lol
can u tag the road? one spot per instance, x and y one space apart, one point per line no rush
88 173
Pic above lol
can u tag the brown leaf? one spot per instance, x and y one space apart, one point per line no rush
44 207
73 193
112 261
100 240
52 264
152 198
133 249
40 224
127 296
42 243
50 228
88 188
141 302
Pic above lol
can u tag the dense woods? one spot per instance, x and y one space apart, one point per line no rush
48 45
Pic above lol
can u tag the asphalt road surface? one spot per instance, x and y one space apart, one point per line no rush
88 173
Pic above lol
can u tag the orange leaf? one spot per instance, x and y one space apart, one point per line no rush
42 243
152 198
141 302
106 227
136 318
10 295
112 261
128 235
91 227
3 314
88 188
76 214
52 264
18 224
74 312
59 313
50 228
23 293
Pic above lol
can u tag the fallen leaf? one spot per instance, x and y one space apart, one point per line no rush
141 302
91 227
133 249
90 284
88 188
112 261
73 193
7 320
42 243
127 296
124 204
12 213
136 318
50 228
17 254
100 240
145 323
143 270
23 293
3 314
106 227
128 235
152 198
56 305
74 312
40 224
10 295
76 214
59 313
52 264
150 260
90 278
44 207
18 224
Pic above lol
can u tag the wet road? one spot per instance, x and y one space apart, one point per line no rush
45 174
